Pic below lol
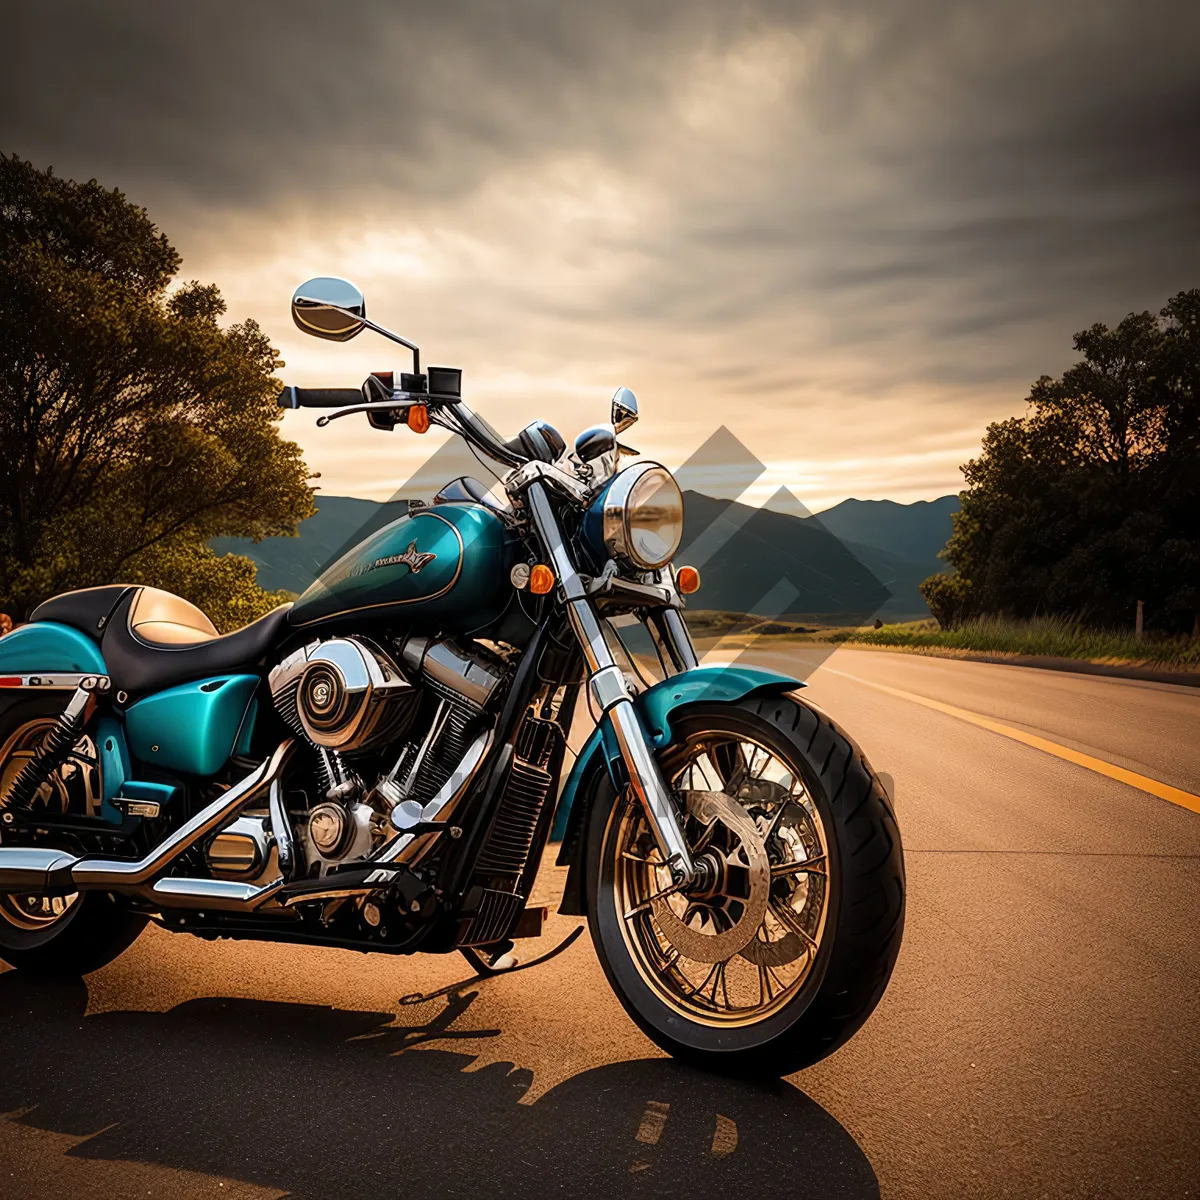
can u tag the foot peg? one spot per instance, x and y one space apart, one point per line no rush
138 799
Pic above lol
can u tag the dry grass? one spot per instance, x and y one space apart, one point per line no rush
1053 637
711 626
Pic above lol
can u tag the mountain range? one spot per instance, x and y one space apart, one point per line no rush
855 561
858 560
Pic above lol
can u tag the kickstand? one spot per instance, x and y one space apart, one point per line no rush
485 972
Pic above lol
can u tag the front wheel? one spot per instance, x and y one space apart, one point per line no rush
783 946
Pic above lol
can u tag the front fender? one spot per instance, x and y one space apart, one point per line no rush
656 706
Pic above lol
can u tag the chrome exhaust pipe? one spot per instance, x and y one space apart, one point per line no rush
118 873
402 851
32 869
225 895
410 848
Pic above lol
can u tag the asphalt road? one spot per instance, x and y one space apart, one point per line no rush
1040 1036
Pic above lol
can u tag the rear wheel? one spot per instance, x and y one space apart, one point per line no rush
65 935
783 948
59 934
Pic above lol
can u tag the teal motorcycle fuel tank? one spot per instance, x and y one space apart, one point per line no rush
444 564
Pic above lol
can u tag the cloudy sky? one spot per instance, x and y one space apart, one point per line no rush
852 231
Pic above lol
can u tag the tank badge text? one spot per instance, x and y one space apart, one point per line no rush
415 560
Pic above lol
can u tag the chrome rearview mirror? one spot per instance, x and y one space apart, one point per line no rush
593 442
624 409
329 308
335 309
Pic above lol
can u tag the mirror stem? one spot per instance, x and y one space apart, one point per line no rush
387 333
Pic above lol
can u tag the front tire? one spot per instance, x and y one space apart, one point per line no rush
787 950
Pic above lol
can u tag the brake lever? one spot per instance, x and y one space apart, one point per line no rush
410 400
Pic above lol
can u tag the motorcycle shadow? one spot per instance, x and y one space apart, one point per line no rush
318 1102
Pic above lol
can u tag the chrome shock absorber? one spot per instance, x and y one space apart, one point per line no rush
57 744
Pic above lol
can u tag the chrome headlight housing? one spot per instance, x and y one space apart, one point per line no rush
643 516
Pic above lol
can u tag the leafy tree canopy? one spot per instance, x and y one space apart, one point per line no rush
135 428
1091 501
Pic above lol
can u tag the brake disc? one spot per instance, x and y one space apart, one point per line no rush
738 849
781 951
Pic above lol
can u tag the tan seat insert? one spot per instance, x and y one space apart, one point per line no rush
166 620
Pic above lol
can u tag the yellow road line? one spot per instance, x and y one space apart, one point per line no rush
1164 791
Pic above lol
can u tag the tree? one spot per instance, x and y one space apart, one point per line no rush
1091 501
948 596
134 427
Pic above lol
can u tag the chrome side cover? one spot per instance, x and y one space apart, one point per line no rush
343 694
241 850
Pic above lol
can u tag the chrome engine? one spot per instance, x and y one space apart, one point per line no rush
241 851
335 833
348 698
344 694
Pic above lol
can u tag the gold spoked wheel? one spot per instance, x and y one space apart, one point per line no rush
34 911
738 946
74 786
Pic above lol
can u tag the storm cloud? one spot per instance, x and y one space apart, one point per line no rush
852 232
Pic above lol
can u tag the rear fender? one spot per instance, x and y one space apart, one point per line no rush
50 647
657 707
29 657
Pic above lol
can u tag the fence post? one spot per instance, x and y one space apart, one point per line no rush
1137 628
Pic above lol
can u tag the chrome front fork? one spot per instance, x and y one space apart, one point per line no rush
609 690
672 642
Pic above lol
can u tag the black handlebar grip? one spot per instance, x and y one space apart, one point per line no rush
298 397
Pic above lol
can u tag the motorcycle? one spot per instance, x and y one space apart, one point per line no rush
380 764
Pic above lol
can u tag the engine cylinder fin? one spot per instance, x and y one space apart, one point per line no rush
446 753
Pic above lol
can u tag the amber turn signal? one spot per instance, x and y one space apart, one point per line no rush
418 418
541 579
687 580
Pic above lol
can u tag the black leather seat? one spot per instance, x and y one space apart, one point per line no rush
139 662
152 640
87 610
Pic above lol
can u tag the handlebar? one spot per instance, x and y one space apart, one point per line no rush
298 397
446 409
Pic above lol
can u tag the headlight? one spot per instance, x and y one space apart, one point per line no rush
643 516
